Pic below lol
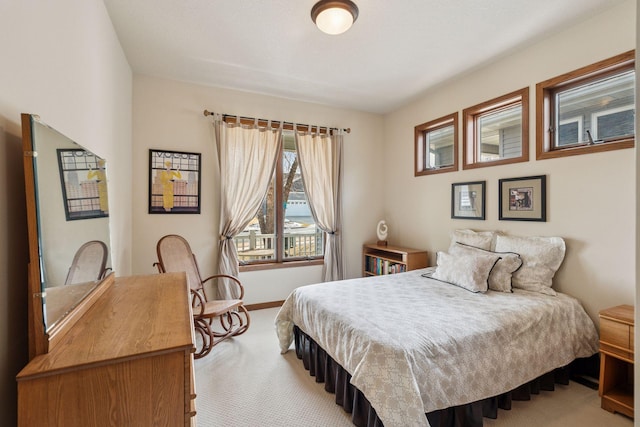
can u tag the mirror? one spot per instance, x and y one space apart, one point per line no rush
68 220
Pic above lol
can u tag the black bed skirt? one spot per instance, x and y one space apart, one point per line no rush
336 380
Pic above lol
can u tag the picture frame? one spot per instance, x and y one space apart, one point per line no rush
523 199
174 182
468 200
83 178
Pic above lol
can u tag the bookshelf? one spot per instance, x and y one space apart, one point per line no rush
379 260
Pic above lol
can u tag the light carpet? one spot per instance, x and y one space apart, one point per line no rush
245 381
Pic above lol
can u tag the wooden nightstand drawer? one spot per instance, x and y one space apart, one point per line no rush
615 337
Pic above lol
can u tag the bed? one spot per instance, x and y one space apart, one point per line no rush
411 344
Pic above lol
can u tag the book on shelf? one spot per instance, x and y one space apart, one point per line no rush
380 266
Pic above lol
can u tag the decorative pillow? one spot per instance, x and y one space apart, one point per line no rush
478 239
469 271
541 258
500 277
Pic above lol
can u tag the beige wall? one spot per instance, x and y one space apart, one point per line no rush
169 115
60 60
591 198
586 194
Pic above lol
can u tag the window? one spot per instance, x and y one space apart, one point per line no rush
436 148
587 110
283 229
496 132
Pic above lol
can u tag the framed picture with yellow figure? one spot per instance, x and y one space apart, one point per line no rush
83 177
174 182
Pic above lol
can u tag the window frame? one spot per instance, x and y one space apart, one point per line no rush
470 155
279 261
420 149
545 105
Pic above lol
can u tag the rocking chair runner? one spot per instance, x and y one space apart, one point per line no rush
175 255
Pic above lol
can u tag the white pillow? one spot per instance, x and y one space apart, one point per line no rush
541 258
478 239
500 277
469 271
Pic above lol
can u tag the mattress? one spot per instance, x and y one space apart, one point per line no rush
414 345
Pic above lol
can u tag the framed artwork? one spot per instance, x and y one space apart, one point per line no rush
83 177
174 182
468 200
523 199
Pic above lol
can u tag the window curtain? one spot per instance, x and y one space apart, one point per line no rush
320 159
247 158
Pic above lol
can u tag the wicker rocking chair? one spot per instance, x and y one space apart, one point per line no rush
174 255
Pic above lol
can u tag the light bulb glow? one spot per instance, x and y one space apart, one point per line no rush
334 21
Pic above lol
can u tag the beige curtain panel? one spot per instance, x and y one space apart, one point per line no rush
247 158
320 158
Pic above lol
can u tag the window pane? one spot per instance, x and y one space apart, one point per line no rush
500 134
614 123
257 241
570 130
302 239
605 109
439 146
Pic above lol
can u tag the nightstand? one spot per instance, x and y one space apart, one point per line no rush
616 359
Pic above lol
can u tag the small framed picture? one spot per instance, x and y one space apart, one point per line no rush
174 182
523 199
83 177
468 200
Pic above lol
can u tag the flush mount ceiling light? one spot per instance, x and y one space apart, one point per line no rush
334 17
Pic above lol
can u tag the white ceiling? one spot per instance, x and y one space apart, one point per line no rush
395 50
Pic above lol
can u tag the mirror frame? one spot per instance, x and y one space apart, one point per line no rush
42 340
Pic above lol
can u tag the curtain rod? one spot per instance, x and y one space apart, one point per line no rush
252 119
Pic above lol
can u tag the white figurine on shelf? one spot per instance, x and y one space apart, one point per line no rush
382 233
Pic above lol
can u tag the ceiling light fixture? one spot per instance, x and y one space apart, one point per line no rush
334 17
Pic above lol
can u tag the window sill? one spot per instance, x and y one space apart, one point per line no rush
277 265
574 151
433 171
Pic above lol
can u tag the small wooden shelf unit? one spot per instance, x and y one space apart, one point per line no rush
378 260
616 359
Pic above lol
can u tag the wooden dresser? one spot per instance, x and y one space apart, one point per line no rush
127 362
616 359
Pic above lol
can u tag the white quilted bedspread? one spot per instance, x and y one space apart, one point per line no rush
414 345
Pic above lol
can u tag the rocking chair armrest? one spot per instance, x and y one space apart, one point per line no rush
232 278
198 301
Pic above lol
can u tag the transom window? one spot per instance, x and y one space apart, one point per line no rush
497 131
436 146
283 229
587 110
